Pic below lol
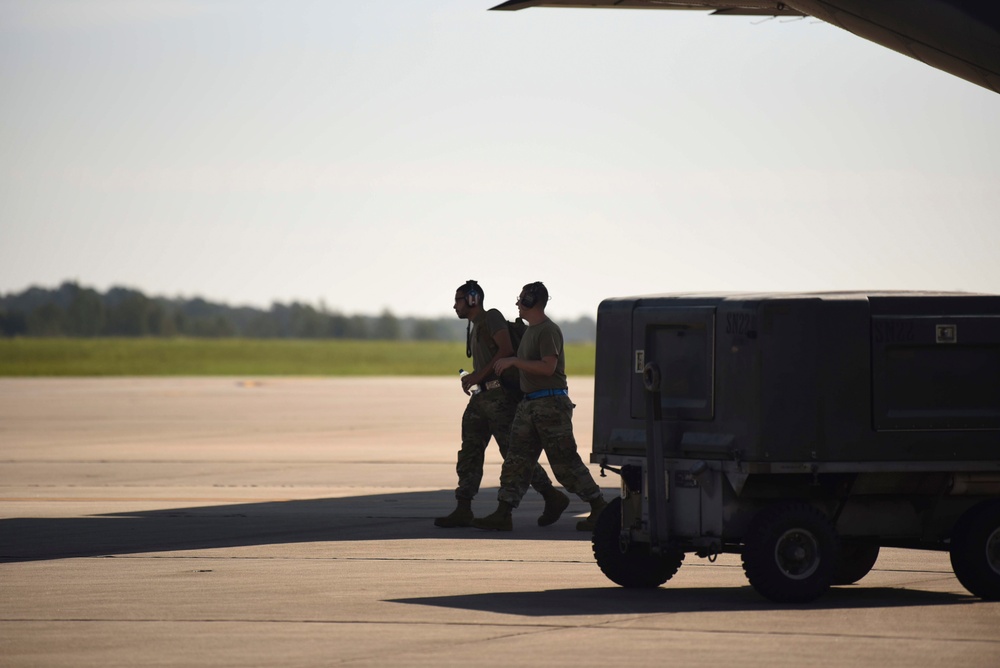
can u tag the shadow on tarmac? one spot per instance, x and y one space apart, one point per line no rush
377 517
621 601
403 516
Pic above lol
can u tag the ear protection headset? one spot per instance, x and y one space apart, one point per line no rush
473 293
530 297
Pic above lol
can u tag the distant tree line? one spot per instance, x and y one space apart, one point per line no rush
75 311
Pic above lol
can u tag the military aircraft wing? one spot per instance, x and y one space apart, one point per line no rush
744 7
961 37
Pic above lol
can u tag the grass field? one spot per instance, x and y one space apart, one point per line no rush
245 357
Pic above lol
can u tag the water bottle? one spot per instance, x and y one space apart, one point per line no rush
472 390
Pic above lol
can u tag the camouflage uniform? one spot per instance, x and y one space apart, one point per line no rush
544 424
489 413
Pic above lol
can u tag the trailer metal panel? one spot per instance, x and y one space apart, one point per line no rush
802 430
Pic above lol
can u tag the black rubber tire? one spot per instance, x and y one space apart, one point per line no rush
635 567
857 559
790 553
975 550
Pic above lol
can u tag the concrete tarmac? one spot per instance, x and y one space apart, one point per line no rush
288 522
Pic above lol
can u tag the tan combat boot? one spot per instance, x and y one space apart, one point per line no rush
555 503
499 520
460 517
596 506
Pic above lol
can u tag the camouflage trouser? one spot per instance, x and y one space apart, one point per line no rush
488 414
544 424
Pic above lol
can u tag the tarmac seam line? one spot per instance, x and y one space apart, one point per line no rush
434 559
533 628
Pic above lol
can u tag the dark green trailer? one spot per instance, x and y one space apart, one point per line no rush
803 431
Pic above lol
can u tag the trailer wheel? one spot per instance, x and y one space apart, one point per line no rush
975 550
631 565
857 558
790 553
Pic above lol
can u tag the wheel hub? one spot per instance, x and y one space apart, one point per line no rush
797 554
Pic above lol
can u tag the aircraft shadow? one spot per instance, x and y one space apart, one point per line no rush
667 599
377 517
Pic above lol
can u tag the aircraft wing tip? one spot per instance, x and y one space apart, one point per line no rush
511 6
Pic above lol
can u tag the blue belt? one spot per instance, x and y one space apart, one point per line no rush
547 393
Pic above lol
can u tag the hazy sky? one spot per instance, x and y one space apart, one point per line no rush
376 154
